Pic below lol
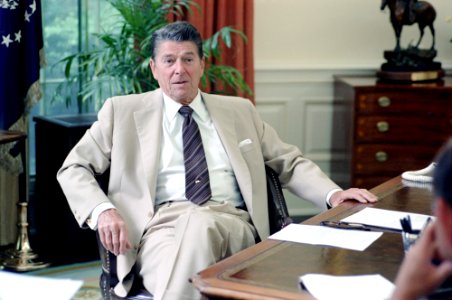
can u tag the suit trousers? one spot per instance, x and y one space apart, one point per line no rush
184 238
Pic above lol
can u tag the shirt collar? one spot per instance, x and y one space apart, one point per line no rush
172 107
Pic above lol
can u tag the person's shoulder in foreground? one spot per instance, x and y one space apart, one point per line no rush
429 262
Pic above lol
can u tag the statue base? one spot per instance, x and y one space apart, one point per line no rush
411 64
413 76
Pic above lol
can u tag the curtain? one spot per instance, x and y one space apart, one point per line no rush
211 15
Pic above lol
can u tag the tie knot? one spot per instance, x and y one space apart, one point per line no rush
186 111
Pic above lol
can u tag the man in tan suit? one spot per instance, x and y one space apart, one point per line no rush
146 219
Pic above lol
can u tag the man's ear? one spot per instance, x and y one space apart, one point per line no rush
152 66
443 213
203 65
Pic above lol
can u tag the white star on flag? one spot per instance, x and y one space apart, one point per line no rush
18 36
27 16
33 7
13 5
6 40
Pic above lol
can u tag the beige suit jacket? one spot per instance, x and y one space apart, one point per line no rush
126 139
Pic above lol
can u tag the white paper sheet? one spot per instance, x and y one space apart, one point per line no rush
386 218
321 235
15 286
327 287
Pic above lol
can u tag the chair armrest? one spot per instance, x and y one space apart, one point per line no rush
278 214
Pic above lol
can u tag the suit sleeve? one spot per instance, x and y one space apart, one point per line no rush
89 157
297 173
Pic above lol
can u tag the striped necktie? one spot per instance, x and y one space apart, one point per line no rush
197 186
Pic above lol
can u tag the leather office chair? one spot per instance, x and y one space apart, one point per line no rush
278 218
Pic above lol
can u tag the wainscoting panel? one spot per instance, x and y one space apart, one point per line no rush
300 105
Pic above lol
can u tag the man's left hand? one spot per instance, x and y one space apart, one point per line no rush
360 195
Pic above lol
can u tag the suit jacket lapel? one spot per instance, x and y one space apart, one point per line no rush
223 119
148 122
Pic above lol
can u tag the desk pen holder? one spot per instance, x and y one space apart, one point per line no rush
409 239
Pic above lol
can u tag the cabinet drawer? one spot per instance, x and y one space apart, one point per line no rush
401 129
382 160
422 102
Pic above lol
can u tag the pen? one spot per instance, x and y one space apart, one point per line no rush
357 226
344 225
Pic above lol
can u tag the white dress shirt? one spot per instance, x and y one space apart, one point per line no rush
171 175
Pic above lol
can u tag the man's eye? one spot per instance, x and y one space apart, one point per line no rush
168 61
189 60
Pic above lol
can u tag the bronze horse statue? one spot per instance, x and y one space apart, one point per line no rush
423 13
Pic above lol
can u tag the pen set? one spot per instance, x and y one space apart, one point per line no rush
357 226
405 222
406 225
409 235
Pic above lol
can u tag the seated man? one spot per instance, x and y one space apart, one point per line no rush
429 262
176 205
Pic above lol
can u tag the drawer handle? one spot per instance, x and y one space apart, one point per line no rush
382 126
381 156
384 101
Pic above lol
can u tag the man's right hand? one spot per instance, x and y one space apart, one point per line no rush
113 232
418 275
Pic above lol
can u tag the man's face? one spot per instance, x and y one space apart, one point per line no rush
178 70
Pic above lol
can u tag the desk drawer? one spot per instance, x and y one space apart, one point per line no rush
422 102
395 129
381 159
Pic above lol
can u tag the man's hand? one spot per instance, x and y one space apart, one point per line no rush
360 195
418 275
113 232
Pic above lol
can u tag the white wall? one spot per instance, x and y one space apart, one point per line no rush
300 45
332 33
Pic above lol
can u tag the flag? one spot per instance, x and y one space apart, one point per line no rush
21 56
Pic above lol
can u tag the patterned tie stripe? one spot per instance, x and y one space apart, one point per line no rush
197 186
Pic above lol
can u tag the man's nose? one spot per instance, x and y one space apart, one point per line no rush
179 67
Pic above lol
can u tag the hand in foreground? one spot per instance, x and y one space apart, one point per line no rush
360 195
418 276
113 232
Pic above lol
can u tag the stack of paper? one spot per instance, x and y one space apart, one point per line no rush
15 286
387 218
320 235
327 287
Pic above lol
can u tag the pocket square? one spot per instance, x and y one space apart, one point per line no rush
245 142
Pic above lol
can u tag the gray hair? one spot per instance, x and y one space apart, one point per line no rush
179 31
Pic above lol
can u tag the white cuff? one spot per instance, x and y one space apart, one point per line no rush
92 220
328 196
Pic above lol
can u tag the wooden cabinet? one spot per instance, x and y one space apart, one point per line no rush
396 126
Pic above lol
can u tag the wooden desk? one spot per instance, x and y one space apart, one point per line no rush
270 269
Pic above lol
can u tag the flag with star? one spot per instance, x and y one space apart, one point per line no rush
21 56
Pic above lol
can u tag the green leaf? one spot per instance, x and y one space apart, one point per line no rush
117 59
